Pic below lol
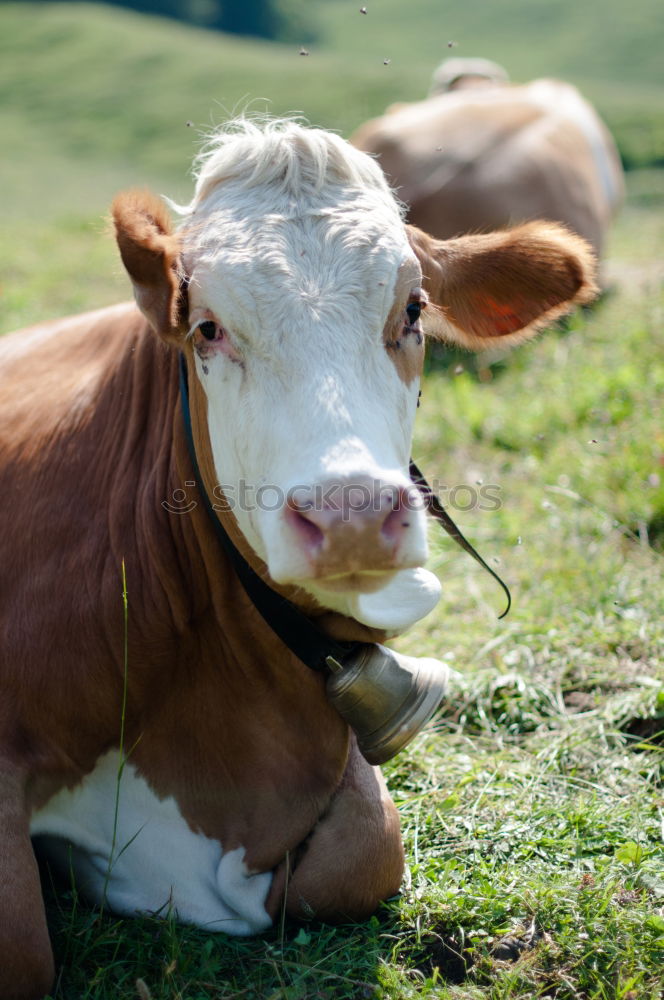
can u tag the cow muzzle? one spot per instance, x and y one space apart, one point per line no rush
348 531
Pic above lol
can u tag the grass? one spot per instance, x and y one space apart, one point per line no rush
532 807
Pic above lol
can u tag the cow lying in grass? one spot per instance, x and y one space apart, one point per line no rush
300 302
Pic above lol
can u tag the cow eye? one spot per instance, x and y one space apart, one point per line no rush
208 328
413 310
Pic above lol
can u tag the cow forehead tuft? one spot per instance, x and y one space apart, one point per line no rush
295 163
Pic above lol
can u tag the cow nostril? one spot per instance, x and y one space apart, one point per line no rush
395 524
309 533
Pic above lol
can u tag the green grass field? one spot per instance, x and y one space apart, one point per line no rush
532 807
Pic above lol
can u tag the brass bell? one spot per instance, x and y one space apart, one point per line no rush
385 697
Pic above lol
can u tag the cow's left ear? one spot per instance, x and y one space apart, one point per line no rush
151 254
500 288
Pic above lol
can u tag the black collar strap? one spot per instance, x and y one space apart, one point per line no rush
436 509
293 627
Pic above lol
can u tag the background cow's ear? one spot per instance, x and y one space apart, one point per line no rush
150 253
502 287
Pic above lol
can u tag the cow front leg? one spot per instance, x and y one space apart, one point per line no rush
354 857
26 959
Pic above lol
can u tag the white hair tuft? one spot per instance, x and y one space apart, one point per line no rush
282 152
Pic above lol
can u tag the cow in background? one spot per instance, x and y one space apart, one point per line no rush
480 154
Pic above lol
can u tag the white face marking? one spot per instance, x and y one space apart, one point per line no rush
159 864
301 390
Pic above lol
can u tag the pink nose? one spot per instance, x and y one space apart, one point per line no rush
347 526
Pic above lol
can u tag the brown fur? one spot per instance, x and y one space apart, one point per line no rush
150 253
27 969
503 286
405 346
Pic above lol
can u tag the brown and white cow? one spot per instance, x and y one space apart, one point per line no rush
480 154
286 288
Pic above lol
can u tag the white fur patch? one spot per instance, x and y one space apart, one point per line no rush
157 865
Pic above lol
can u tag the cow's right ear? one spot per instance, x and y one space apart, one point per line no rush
150 252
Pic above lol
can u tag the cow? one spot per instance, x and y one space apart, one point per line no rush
480 154
297 302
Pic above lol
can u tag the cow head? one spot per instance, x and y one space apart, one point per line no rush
466 74
308 301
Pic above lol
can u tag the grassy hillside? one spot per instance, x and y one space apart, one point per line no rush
92 97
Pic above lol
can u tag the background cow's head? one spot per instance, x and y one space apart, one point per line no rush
302 324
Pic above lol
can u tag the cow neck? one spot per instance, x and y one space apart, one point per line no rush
304 638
